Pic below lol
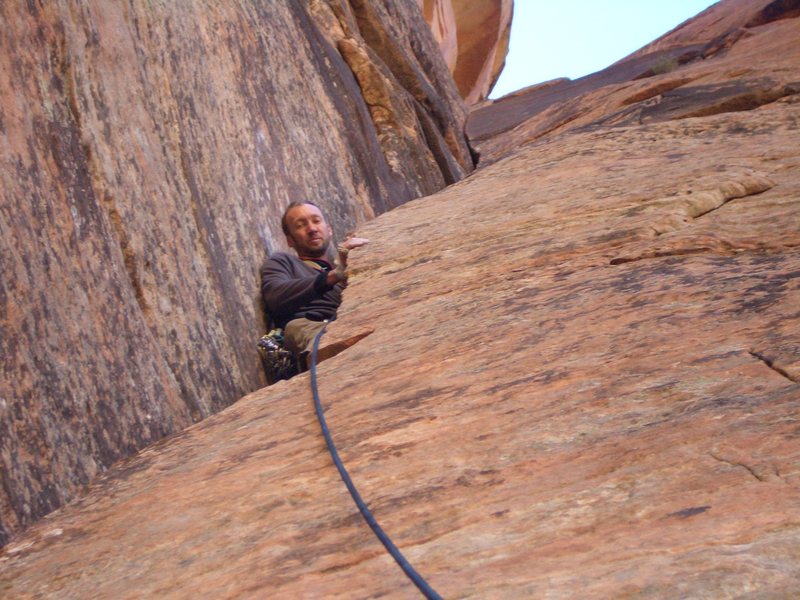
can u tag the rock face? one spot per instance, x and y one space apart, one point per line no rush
146 153
442 21
484 27
473 36
737 55
578 373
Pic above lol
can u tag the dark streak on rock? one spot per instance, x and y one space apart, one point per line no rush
414 399
538 378
240 458
689 512
775 11
128 467
772 365
621 260
714 357
712 99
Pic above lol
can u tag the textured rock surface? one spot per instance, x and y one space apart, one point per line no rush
594 388
716 23
484 27
736 55
583 377
473 36
146 152
442 21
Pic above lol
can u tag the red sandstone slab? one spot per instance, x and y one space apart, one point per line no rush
531 417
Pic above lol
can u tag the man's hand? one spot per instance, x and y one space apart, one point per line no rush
351 243
339 275
347 245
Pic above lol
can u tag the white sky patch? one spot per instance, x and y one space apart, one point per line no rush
573 38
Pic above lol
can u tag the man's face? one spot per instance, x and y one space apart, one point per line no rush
309 234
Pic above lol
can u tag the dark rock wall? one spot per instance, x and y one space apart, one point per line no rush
147 150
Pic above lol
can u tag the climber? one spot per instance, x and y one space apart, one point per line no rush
303 292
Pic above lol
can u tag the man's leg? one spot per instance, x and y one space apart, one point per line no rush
299 334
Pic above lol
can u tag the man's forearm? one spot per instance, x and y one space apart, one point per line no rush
283 293
337 275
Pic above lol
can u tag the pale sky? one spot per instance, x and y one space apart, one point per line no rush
573 38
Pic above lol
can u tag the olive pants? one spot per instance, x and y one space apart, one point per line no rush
299 334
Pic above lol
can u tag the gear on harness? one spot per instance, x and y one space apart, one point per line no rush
279 362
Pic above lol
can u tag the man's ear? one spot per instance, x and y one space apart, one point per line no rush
290 241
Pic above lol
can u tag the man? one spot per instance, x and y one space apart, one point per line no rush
303 292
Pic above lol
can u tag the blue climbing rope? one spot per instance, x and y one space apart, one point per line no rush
415 577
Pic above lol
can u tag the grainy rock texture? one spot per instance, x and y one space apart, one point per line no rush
473 36
582 379
737 55
146 153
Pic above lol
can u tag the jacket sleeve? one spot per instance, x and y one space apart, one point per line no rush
284 290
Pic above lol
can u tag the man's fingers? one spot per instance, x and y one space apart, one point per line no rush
355 242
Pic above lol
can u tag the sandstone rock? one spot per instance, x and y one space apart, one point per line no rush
146 153
483 32
720 20
442 21
737 55
473 36
581 377
582 390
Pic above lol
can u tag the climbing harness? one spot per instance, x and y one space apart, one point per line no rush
415 577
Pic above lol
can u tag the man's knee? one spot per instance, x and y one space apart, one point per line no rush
299 334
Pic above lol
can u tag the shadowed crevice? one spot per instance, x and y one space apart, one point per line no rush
339 346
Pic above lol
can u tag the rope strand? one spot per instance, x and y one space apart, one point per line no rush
412 574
